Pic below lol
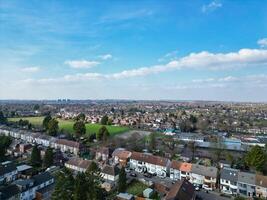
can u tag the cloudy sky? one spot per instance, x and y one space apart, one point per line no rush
179 50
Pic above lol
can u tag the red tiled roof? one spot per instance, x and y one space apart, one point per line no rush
148 158
122 154
176 164
68 143
79 163
181 190
186 167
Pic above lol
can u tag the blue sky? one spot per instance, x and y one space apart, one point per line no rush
179 50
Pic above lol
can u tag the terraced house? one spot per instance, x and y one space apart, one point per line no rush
26 189
205 176
8 172
228 181
247 184
78 164
143 162
261 186
175 173
185 171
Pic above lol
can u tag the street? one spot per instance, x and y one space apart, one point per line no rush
210 195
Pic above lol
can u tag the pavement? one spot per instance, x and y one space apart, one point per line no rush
211 195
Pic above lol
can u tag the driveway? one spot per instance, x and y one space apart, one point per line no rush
155 179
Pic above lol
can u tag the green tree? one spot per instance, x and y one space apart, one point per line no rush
94 180
122 180
52 127
93 167
152 141
5 142
193 147
79 128
104 120
48 157
256 158
80 187
46 120
103 133
36 157
64 187
229 157
81 117
109 121
36 107
3 119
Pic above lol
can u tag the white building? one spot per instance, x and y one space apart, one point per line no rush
228 181
110 173
25 189
78 164
247 184
175 170
143 162
68 146
205 176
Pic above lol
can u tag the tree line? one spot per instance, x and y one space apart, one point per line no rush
84 186
52 128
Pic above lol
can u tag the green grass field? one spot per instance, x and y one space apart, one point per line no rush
136 188
67 125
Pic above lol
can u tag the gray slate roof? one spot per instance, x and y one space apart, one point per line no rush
111 170
247 178
41 178
9 192
205 171
4 169
229 174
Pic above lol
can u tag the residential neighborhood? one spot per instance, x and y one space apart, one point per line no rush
133 100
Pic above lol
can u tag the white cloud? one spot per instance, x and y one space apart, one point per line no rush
203 60
255 79
168 56
30 69
105 57
80 64
262 42
211 6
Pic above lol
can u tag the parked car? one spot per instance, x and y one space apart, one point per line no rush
154 174
127 170
207 188
148 175
133 174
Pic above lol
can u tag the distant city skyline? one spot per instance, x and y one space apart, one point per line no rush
143 50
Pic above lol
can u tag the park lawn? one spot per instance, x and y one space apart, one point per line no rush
136 187
37 121
67 125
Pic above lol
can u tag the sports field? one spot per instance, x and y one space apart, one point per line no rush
67 125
